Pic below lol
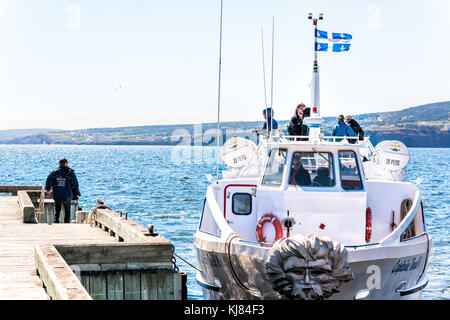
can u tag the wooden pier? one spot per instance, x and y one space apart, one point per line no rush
109 257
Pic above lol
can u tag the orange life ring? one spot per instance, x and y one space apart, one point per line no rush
368 224
266 219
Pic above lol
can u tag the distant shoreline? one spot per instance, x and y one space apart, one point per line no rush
424 126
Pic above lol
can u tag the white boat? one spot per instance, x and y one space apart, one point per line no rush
320 218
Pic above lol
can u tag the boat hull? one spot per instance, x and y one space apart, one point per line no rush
237 270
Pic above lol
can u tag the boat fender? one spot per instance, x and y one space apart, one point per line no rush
307 267
368 224
268 218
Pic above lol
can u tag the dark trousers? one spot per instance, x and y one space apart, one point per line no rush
58 205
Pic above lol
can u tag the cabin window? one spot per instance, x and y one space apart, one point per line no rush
350 175
416 228
242 203
314 169
273 175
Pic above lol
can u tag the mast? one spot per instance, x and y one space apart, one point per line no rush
218 94
264 74
315 120
271 85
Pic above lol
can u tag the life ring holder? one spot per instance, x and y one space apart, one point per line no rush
268 218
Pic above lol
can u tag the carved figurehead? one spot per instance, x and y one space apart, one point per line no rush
307 268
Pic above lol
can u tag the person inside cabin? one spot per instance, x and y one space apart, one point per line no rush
299 175
269 122
64 184
341 129
296 126
356 128
323 178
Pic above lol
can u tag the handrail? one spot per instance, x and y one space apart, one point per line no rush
322 138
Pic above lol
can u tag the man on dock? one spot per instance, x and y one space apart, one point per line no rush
64 184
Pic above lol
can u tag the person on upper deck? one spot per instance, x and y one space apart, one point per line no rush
296 126
299 175
356 127
64 184
269 122
341 129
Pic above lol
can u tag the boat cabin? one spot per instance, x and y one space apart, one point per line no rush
307 188
320 187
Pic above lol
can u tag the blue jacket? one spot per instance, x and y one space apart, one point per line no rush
341 129
273 124
64 183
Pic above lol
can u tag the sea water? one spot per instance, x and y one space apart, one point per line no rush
165 187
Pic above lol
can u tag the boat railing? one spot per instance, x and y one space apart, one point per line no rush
394 237
324 138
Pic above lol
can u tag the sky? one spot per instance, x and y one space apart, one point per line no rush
67 64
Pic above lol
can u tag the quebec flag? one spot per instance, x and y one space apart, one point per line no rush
335 42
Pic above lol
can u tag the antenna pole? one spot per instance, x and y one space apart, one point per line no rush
264 68
218 95
271 84
264 76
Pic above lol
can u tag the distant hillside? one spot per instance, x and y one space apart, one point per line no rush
10 134
421 126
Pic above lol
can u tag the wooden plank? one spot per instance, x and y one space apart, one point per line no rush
97 285
165 286
149 286
27 207
14 189
127 229
58 278
132 286
115 285
116 253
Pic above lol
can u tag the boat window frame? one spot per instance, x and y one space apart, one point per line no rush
266 163
199 228
311 187
358 166
251 203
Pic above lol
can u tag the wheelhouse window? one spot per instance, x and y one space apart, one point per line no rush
350 175
273 175
314 169
242 203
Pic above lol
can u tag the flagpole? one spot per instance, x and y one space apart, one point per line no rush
315 120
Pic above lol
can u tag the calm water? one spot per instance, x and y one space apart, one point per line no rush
157 187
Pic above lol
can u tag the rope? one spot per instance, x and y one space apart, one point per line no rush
191 265
174 261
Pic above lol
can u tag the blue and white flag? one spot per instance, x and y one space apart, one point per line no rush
333 36
335 42
335 47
